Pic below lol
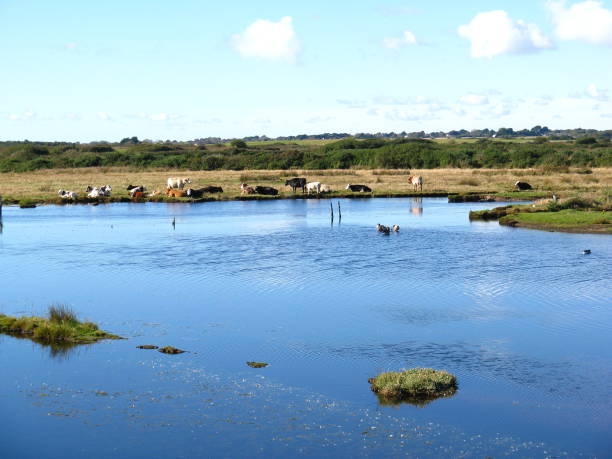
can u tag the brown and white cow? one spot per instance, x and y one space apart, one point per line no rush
416 181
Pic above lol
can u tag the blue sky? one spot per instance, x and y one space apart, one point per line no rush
83 71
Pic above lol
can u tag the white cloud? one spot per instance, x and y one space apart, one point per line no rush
494 33
408 38
103 116
586 21
594 92
27 115
158 117
474 99
274 41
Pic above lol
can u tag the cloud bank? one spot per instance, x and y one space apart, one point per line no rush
273 41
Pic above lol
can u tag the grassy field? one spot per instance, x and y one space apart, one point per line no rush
42 185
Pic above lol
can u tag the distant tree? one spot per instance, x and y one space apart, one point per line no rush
238 144
131 140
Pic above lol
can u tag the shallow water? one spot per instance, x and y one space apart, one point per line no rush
521 317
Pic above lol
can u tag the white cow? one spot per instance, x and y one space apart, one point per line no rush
326 188
313 186
67 194
177 182
416 181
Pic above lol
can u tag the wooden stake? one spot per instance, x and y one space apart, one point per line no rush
339 212
331 210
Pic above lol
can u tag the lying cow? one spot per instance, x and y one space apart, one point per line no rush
359 188
94 192
246 189
296 183
135 189
176 182
416 181
207 189
326 188
522 186
313 186
173 192
267 190
67 194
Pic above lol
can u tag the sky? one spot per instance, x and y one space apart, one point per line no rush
74 70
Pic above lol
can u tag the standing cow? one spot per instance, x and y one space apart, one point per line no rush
416 181
178 182
297 182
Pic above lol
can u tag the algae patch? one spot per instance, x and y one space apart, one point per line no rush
170 350
257 364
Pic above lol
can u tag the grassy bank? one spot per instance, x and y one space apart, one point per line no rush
41 186
575 215
569 220
61 326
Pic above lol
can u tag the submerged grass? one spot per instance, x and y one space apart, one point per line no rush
417 385
61 326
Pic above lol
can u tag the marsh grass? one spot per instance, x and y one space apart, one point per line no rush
469 182
16 186
60 326
414 385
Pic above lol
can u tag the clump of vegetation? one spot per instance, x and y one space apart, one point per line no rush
27 203
417 385
170 350
469 182
147 346
60 327
491 214
257 364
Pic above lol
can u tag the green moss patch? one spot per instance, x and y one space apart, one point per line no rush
60 327
568 220
170 350
417 385
257 364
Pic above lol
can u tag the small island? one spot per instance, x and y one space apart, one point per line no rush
61 326
417 386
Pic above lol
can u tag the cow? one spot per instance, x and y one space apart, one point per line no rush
154 193
395 228
382 228
105 190
246 189
313 186
93 192
207 189
522 186
326 188
176 182
416 181
358 188
173 192
138 195
297 182
267 190
134 189
67 194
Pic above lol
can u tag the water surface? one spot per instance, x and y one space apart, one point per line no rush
520 316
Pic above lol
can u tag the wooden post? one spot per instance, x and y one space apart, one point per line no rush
174 223
339 212
331 211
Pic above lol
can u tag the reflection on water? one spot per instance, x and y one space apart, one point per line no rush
521 317
416 206
59 350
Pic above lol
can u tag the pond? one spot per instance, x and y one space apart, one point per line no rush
521 317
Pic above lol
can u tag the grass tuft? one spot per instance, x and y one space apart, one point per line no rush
414 385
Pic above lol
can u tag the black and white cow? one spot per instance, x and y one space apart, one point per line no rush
358 188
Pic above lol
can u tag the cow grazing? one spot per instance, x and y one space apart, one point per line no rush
326 188
266 190
359 188
177 182
314 187
173 192
246 189
416 181
522 186
382 228
297 182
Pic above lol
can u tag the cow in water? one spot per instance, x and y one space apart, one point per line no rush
297 182
359 188
522 186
